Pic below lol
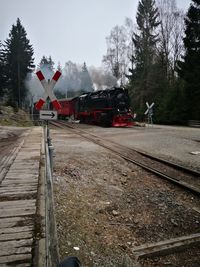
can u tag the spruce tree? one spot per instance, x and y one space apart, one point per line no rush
46 65
2 72
86 82
189 68
18 54
141 76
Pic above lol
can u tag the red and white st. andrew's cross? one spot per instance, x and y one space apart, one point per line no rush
48 90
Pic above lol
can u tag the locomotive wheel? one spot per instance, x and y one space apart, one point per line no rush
105 119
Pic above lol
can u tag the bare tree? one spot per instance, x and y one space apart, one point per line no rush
131 28
177 37
171 33
115 58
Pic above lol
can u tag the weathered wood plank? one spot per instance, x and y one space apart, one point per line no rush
6 189
21 165
12 193
167 246
14 258
18 229
27 160
17 188
21 180
31 156
18 265
16 247
17 203
17 215
15 221
16 236
17 212
21 176
29 172
19 183
22 168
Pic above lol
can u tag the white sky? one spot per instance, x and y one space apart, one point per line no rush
69 29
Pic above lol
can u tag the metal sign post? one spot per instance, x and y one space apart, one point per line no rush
149 112
48 114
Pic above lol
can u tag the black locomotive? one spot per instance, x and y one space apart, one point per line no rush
110 107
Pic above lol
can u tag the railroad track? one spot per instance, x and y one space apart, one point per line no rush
186 178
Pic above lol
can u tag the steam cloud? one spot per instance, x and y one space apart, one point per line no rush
69 81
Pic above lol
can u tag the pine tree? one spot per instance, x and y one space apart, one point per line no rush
189 68
86 82
141 75
46 65
2 72
18 55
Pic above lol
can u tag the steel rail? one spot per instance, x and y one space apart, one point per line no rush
183 184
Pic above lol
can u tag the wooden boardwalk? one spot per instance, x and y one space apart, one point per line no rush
18 204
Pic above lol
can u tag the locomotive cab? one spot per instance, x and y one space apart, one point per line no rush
108 107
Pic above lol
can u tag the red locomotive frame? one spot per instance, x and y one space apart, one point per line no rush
108 107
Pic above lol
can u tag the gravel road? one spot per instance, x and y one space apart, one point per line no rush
168 142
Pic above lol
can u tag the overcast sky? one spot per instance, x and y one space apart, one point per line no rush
69 29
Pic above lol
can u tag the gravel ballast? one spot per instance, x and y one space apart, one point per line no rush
105 206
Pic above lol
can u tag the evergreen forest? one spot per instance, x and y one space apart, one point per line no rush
156 56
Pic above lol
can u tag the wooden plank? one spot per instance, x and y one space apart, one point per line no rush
22 165
20 175
18 229
16 236
16 247
23 189
15 221
22 193
6 189
27 160
17 188
18 209
17 212
167 246
20 180
21 172
14 258
31 156
18 265
17 203
19 183
11 207
24 168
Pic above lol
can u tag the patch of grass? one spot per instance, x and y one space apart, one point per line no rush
12 117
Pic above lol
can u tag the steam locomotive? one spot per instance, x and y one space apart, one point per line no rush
108 107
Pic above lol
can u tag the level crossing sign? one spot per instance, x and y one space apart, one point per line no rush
48 115
149 110
48 90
